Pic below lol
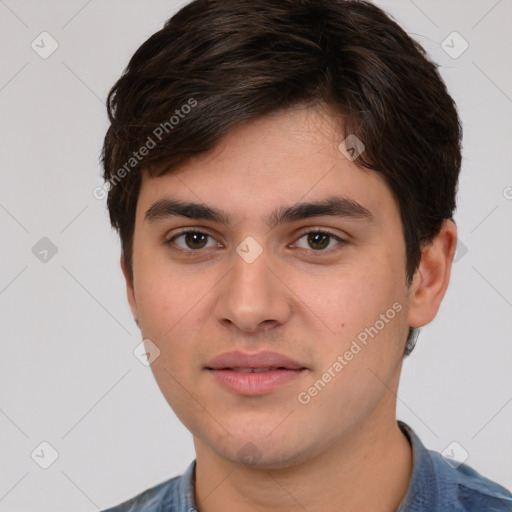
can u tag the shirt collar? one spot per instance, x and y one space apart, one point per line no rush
422 494
423 491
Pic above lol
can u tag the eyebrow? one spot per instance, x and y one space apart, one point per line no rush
336 206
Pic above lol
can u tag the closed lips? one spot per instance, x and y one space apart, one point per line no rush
262 361
254 370
256 374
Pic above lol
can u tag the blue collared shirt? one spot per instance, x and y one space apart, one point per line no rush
435 486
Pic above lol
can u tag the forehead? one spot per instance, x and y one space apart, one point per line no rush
281 159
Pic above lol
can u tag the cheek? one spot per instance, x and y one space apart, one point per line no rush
363 305
168 317
344 299
172 308
164 296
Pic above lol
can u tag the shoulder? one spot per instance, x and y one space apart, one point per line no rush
444 484
173 495
462 488
149 500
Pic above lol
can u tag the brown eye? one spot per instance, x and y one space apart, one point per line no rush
192 240
195 240
319 241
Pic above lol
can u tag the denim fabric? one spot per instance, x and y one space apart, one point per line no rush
435 486
173 495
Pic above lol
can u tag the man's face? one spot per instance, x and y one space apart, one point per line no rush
339 309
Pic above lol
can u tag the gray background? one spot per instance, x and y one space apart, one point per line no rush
68 375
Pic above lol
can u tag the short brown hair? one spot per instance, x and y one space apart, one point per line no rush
232 61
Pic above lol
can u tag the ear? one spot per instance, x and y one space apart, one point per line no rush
432 276
130 290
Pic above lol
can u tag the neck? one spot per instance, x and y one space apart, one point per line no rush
369 469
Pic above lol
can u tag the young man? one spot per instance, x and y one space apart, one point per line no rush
283 179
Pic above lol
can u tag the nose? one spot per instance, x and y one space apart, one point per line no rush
253 297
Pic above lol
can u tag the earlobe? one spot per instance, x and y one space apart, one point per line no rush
130 290
432 276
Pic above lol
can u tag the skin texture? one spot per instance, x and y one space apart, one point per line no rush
342 450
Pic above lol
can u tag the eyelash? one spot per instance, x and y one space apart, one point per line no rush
193 252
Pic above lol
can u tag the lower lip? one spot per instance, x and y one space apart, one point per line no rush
254 384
